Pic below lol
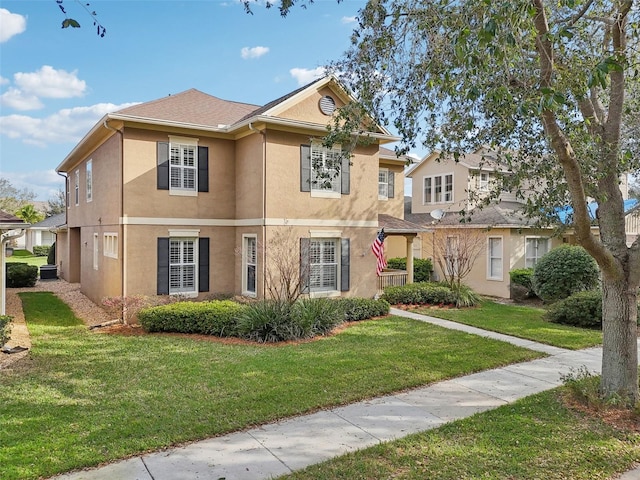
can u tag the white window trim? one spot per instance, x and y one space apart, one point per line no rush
489 276
110 244
190 142
386 171
89 180
77 187
538 237
245 264
96 251
338 253
323 192
443 177
196 258
483 186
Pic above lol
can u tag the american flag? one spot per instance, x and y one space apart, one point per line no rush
378 250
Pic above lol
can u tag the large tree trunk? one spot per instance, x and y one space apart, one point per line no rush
620 340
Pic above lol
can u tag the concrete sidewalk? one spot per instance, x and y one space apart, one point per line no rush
292 444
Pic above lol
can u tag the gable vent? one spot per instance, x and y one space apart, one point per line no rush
327 105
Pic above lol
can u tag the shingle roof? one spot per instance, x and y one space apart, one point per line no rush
8 218
52 221
194 107
398 225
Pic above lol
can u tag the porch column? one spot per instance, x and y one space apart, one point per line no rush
409 258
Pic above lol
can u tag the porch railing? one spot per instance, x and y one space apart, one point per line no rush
390 277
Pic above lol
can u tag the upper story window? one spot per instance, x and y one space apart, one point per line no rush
326 168
77 187
183 167
386 179
68 193
89 173
483 181
438 189
535 248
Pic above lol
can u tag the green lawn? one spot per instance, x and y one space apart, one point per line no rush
519 321
536 438
82 398
24 256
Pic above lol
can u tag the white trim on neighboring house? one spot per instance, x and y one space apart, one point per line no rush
537 256
442 177
490 274
89 180
110 244
249 261
96 251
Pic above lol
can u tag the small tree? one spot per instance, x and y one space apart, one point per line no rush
456 251
29 214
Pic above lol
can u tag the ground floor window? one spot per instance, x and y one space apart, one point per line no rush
494 256
182 266
535 248
250 265
323 263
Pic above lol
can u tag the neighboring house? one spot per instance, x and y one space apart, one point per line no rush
198 196
11 227
441 188
43 233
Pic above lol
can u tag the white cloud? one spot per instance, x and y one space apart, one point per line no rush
11 24
253 52
51 83
4 81
18 100
347 20
66 126
44 183
304 75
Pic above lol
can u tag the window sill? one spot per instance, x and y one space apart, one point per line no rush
183 193
325 194
326 294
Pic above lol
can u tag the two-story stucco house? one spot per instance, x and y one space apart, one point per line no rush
442 187
191 195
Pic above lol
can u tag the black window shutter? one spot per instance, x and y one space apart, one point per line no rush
345 263
305 245
163 266
163 166
203 264
391 184
203 169
346 174
305 168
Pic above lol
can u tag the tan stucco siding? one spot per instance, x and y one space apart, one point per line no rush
285 200
308 109
142 198
249 165
394 206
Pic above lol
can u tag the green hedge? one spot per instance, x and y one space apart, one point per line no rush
41 250
5 328
21 275
362 308
420 293
218 317
582 309
523 277
422 267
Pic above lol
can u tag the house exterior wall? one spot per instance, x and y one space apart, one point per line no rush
432 167
308 110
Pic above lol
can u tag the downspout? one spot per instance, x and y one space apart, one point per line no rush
5 238
123 270
264 207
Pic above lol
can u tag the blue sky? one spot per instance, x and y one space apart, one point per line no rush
55 83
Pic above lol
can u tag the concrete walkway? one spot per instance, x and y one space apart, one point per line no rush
276 449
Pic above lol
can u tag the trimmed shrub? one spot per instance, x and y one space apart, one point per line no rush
41 251
522 277
419 294
422 267
564 271
362 308
317 316
51 256
21 275
5 329
217 317
582 309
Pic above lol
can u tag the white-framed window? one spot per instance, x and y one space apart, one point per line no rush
383 184
77 187
89 172
249 264
183 263
438 189
95 251
68 196
324 258
483 181
110 245
326 165
183 167
494 258
535 248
